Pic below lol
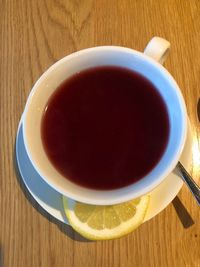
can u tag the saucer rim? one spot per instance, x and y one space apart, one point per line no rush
60 214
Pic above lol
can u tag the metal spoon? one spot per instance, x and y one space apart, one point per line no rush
194 188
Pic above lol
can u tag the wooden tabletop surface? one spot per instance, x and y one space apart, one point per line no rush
35 34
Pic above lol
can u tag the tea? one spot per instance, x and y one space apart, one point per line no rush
105 127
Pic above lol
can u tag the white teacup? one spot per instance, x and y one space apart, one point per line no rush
98 56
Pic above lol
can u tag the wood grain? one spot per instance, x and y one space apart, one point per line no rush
33 35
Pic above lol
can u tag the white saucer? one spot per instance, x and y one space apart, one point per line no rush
51 201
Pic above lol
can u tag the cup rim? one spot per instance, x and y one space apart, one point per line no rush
127 194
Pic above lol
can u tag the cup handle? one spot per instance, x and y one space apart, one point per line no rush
158 49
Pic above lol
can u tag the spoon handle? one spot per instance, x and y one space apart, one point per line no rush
194 188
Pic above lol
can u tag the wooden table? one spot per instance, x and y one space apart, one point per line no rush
35 34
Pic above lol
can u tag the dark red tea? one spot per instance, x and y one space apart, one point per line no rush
105 127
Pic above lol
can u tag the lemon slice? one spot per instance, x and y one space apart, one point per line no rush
105 222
